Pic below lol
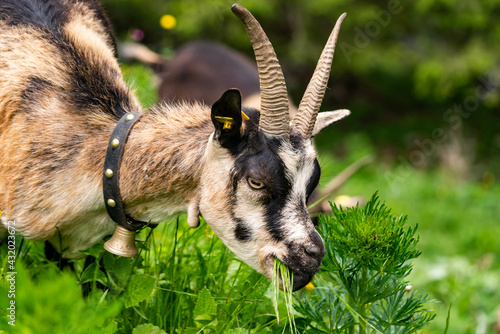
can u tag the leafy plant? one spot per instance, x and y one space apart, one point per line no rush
362 280
190 283
53 303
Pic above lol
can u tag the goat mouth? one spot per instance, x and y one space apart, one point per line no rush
300 278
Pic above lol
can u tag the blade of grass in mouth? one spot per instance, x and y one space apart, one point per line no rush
281 271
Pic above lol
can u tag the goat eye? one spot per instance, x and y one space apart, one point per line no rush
256 184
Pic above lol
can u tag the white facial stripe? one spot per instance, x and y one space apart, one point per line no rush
291 160
301 168
251 214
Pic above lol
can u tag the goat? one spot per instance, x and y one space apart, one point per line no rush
61 96
200 71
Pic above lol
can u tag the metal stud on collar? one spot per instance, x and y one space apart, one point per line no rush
109 173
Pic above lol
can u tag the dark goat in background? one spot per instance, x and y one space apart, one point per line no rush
201 71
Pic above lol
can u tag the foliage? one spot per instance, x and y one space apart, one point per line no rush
139 78
53 304
458 225
368 254
403 67
192 284
189 285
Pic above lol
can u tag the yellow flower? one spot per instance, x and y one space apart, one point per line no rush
168 22
309 286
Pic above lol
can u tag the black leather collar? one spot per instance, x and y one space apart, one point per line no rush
110 179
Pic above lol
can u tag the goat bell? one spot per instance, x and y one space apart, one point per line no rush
122 243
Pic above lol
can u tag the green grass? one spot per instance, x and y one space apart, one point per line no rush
190 283
282 274
139 78
187 281
458 226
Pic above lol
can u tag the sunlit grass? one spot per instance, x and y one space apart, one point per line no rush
281 273
458 228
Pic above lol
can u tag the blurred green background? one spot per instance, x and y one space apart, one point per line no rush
422 81
405 68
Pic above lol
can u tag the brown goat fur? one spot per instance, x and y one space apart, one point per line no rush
61 95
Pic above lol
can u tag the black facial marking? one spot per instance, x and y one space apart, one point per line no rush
259 159
273 215
314 180
297 141
242 232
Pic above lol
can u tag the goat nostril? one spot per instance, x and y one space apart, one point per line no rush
313 250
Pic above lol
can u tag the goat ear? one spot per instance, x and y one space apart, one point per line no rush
227 118
327 118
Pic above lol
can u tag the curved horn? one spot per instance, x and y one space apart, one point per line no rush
274 118
311 101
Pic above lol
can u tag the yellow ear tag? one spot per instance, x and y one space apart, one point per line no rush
228 122
244 116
